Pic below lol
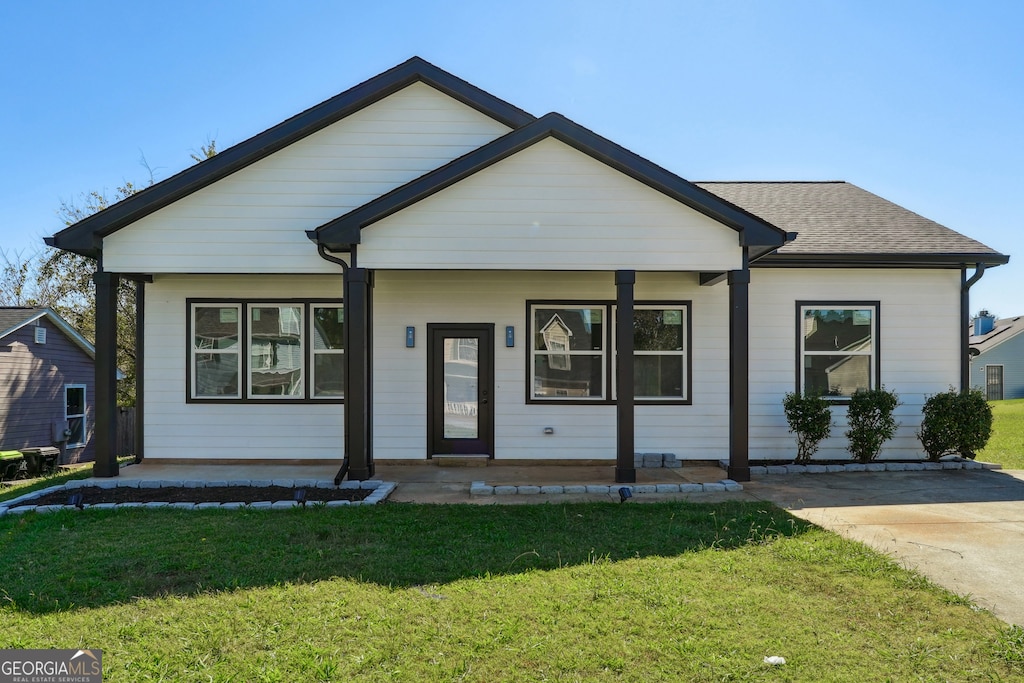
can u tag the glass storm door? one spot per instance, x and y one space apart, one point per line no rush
460 389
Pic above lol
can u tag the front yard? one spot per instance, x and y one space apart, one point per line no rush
1006 446
666 591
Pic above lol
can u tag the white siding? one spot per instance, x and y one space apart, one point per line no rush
919 347
176 429
255 220
549 207
698 431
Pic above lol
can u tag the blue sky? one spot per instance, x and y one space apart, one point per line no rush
919 102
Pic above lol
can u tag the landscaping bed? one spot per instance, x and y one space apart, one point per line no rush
92 495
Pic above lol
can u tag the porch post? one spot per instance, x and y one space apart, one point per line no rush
105 400
625 472
140 366
739 366
358 445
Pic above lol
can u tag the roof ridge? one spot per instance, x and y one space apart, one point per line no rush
773 182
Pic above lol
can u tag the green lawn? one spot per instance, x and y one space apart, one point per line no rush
574 592
1006 446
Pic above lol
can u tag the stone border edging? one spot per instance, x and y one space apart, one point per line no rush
381 490
874 467
481 488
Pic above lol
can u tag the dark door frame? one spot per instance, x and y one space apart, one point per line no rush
435 380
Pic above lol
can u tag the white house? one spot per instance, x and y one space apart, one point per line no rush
415 267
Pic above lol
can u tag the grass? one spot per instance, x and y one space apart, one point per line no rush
652 592
1006 446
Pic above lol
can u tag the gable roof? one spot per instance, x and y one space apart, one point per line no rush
341 233
1002 331
837 222
13 318
84 237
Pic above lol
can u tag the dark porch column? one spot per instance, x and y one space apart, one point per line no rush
140 366
739 381
625 472
358 444
106 374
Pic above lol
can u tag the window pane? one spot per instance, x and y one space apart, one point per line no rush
328 328
836 375
75 400
658 330
461 388
216 374
276 351
76 425
561 375
844 329
216 327
574 329
659 376
329 375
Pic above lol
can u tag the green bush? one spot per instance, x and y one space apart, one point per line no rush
810 418
955 422
870 422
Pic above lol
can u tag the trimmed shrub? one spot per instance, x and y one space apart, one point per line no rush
870 422
810 418
955 422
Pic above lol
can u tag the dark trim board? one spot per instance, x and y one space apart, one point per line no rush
85 236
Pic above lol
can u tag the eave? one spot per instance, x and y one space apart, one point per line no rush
85 237
882 260
343 232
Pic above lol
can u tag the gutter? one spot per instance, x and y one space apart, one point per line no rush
965 322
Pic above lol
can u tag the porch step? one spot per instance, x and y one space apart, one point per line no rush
448 460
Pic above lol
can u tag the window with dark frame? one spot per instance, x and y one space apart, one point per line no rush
571 354
293 351
74 413
837 347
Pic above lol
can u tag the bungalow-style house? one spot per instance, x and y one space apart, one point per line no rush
416 267
47 381
997 356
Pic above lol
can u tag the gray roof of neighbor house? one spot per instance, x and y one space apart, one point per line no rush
1003 330
838 222
13 318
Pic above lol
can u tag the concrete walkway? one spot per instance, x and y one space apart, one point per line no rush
964 530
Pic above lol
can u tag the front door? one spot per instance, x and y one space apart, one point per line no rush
460 389
994 382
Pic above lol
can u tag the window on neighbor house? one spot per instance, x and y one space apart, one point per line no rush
74 413
838 347
292 351
572 352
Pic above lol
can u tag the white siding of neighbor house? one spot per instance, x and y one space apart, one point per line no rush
255 220
919 347
176 429
549 207
403 298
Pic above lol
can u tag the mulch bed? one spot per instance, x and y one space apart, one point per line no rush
180 494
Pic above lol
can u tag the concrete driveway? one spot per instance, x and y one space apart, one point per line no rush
962 529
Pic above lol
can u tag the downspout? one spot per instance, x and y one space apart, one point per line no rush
965 323
344 297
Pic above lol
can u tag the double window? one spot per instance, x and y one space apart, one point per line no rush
572 354
837 347
266 350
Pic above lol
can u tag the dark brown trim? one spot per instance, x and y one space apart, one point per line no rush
435 444
243 347
140 369
358 374
880 260
739 373
85 237
827 304
344 231
105 433
625 415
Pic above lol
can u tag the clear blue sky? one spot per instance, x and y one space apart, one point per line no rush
919 102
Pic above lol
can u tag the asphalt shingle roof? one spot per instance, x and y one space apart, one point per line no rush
838 218
1002 330
15 316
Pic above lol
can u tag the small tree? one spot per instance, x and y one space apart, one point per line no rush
955 422
870 422
810 418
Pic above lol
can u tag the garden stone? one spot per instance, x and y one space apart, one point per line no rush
575 488
232 506
479 488
283 504
128 483
261 483
105 483
667 488
691 488
529 490
761 469
305 483
598 488
207 505
895 467
350 484
325 484
778 469
77 484
102 506
128 505
932 466
795 469
714 488
950 465
835 468
552 489
338 503
645 488
652 460
240 482
504 490
215 484
857 467
157 504
284 483
370 484
915 466
194 484
875 467
973 465
816 469
183 506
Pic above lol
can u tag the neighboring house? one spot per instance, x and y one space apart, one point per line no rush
47 380
486 258
997 356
